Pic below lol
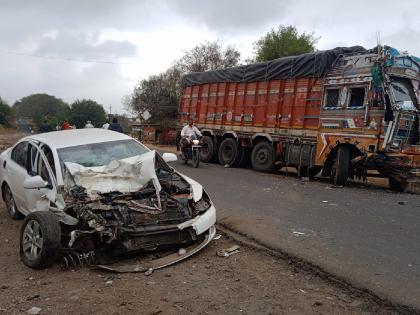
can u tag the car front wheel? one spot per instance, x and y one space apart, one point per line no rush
11 204
40 239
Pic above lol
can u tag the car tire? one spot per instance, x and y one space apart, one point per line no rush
229 152
262 157
207 151
341 167
40 239
11 204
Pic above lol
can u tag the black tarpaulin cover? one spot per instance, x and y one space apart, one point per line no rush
315 64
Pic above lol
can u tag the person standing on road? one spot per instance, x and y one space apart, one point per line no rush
66 126
115 126
105 125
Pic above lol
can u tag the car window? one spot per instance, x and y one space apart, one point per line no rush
38 164
20 153
99 154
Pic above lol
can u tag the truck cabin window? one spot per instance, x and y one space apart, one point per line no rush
404 95
357 97
331 100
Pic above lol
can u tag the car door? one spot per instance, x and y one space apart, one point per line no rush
17 172
41 162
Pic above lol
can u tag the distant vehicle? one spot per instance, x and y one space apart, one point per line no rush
98 191
343 111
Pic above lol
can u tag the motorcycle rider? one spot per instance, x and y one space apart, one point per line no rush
187 133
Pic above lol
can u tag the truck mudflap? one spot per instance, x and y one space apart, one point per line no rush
150 266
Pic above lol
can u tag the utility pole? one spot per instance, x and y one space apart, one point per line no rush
110 112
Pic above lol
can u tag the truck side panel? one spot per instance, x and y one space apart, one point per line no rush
265 105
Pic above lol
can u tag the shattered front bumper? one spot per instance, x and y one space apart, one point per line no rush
201 223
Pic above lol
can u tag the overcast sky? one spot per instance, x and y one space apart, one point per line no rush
142 37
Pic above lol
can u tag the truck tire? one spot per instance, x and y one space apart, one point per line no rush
40 239
262 157
11 204
207 151
340 171
229 152
396 185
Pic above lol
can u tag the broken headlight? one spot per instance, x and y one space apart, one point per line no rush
203 204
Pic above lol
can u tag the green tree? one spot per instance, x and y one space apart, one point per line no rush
282 42
5 113
159 95
41 108
208 56
83 110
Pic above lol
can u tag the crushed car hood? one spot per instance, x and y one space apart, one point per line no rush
126 175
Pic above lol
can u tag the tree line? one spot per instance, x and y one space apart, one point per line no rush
50 111
160 94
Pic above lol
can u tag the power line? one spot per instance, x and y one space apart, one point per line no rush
9 52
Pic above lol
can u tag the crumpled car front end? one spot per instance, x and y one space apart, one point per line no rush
133 205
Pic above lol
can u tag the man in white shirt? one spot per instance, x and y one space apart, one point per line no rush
186 133
190 130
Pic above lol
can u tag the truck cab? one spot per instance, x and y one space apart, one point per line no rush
369 118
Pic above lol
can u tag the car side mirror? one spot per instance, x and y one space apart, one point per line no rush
34 182
169 157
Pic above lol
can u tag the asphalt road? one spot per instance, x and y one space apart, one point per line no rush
365 234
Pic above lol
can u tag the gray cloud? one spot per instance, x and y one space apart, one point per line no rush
233 15
82 46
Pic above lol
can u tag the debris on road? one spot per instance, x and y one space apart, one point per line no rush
298 233
34 310
217 237
228 251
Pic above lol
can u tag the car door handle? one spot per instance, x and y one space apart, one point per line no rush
4 164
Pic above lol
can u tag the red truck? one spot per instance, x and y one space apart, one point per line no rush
344 111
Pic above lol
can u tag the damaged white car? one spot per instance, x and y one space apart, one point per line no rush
95 194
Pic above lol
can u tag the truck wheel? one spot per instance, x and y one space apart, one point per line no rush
40 239
396 185
228 152
340 171
262 157
11 204
207 151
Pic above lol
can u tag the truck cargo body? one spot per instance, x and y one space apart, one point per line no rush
357 113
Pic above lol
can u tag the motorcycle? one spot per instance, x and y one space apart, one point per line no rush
191 150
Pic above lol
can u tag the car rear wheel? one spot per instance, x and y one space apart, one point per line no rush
40 239
11 204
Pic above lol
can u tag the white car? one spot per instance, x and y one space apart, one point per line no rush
99 193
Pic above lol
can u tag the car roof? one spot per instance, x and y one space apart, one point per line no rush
75 137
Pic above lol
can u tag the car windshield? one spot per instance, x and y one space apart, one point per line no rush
99 154
404 95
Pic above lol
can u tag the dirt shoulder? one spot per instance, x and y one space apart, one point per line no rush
249 282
